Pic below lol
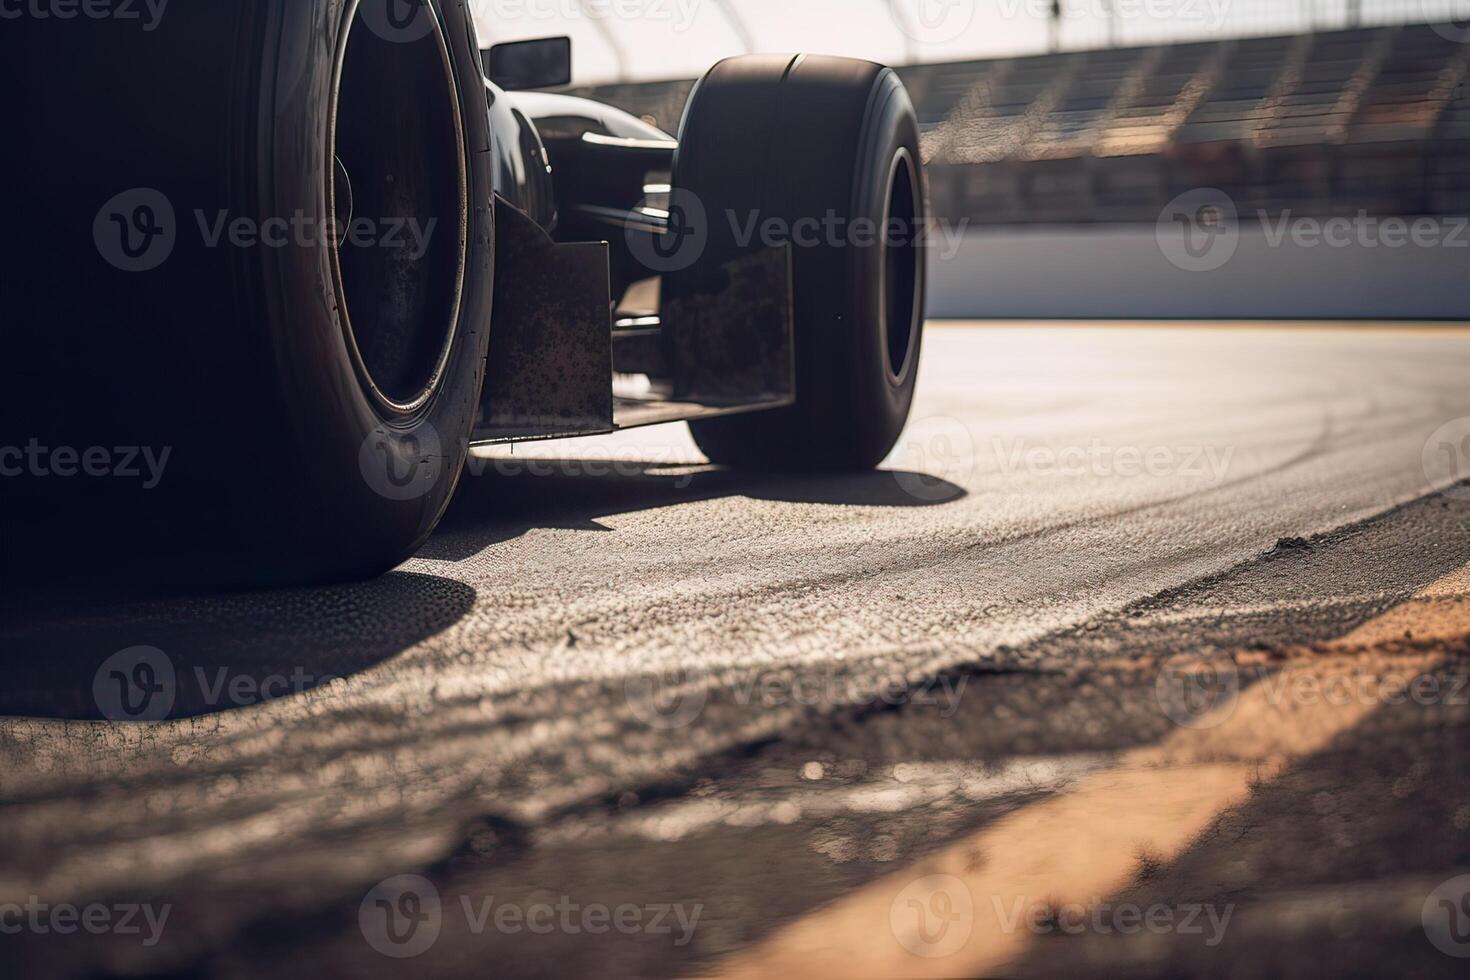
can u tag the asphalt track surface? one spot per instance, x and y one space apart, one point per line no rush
1036 699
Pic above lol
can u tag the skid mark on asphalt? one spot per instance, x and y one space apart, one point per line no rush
962 912
757 841
425 762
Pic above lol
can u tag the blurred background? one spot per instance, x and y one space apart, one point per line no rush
1124 158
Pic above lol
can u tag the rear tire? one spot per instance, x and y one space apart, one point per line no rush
315 399
818 139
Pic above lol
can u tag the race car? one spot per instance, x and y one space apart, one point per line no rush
310 252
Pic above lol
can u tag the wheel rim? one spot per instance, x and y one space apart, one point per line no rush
397 184
900 283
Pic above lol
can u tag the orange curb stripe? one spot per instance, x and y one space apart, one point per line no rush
1087 843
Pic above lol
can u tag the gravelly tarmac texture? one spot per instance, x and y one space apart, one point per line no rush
619 678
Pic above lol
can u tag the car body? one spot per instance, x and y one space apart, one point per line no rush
212 267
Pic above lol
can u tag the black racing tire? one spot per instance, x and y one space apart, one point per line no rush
815 138
315 393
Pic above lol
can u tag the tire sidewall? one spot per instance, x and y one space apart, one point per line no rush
327 430
890 128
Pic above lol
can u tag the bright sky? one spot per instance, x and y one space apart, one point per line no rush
647 39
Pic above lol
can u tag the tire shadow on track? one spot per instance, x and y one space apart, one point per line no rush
64 655
500 500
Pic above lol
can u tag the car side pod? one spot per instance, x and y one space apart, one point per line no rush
549 369
563 361
731 330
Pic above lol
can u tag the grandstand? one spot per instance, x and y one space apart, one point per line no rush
1373 119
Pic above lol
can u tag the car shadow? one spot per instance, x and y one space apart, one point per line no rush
501 500
85 654
73 656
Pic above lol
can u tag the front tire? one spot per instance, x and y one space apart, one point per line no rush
312 372
832 142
